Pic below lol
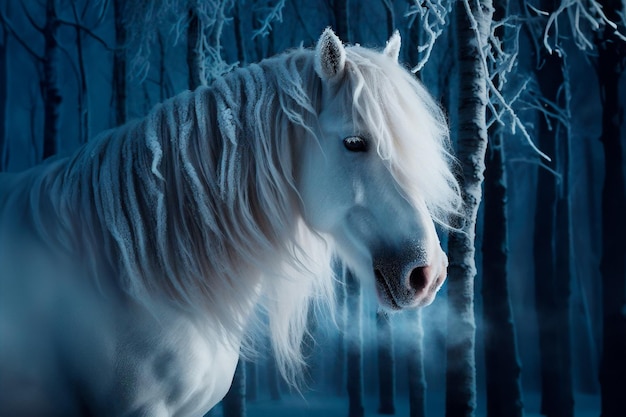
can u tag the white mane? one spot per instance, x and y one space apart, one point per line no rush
196 203
408 126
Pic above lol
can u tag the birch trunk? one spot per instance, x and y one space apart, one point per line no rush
473 20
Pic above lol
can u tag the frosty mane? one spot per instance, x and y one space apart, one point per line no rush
190 203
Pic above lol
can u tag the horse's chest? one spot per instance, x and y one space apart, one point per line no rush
172 371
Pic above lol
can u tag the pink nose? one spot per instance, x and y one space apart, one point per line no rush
420 278
428 278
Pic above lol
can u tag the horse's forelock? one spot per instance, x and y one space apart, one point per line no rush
409 128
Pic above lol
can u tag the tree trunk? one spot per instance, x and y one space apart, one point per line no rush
354 346
273 379
212 412
339 370
412 46
611 62
119 64
234 403
504 397
194 51
252 371
83 96
471 146
389 17
417 375
4 149
341 12
585 343
552 280
308 346
503 369
239 36
50 85
386 364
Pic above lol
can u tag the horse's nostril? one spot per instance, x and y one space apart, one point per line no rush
418 280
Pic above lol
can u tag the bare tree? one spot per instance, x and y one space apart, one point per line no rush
339 370
49 84
83 94
473 25
386 363
4 151
354 349
417 374
120 72
611 63
194 50
252 383
502 364
551 252
341 12
234 403
47 64
273 378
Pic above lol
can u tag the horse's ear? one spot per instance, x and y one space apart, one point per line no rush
392 50
330 56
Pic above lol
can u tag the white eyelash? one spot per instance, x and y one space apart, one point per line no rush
353 139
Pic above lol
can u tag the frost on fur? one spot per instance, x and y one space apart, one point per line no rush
330 56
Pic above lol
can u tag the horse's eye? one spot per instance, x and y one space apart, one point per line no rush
355 144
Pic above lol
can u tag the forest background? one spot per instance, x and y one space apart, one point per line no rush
533 317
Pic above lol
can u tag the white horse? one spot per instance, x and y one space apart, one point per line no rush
129 271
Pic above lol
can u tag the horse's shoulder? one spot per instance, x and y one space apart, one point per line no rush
170 363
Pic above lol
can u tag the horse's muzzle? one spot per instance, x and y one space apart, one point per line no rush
409 286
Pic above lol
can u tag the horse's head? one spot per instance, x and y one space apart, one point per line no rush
378 172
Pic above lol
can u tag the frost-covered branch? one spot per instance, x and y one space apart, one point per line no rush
433 18
273 14
213 15
584 17
539 163
502 63
145 18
